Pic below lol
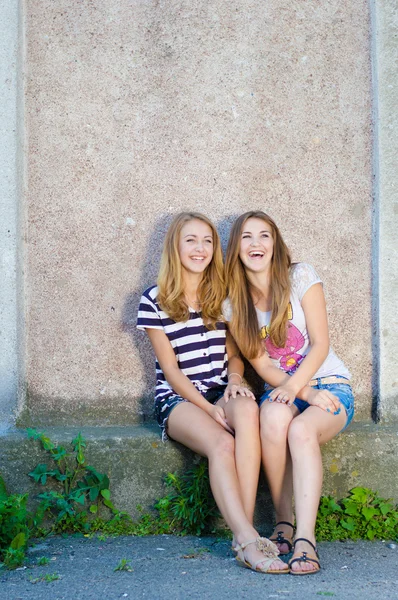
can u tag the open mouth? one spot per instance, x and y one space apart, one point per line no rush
198 258
256 254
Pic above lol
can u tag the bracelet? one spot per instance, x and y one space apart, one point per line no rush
230 375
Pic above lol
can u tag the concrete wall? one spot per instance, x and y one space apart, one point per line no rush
385 76
11 152
136 110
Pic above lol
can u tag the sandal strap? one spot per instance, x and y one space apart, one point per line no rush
264 562
244 545
284 523
304 558
308 542
264 545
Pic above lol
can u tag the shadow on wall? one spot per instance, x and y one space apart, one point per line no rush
140 341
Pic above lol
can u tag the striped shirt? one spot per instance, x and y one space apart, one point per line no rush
200 352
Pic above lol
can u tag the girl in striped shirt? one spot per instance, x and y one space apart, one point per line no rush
200 401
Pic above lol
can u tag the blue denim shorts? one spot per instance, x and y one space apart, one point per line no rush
343 392
164 406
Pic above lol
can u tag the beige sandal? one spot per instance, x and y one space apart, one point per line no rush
270 552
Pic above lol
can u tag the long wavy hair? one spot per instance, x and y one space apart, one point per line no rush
244 323
211 291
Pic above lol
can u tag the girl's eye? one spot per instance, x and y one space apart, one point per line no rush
245 236
265 235
209 241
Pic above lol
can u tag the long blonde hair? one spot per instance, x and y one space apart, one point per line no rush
211 291
244 323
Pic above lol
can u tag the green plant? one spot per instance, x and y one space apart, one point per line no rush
361 515
123 565
42 561
45 578
196 553
190 507
16 526
78 485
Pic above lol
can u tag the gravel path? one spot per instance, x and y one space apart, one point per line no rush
168 567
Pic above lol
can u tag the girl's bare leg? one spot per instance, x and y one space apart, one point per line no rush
193 428
307 433
275 419
243 416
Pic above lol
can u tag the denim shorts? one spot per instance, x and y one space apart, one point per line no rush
342 391
164 406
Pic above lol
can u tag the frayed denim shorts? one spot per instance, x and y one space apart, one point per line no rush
342 391
164 406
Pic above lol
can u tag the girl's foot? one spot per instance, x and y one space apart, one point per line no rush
305 559
283 537
260 555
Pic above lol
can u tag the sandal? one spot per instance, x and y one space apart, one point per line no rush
270 552
281 539
304 558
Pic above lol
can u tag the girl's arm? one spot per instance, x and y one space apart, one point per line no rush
235 372
180 382
314 307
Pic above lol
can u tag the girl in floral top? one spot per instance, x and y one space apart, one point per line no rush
277 315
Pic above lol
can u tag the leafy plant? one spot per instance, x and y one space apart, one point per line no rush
124 565
196 553
78 484
42 561
16 526
361 515
190 507
45 578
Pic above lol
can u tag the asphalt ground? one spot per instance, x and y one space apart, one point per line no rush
169 567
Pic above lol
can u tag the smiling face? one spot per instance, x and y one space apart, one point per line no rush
256 245
196 246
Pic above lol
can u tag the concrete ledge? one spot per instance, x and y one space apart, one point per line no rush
136 461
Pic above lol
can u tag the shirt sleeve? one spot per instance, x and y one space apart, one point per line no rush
303 276
227 310
148 314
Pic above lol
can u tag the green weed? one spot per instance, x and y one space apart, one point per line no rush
77 484
45 578
123 565
361 515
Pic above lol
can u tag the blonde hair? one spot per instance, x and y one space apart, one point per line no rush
211 291
244 323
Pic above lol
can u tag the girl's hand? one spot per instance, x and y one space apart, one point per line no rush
283 394
324 400
218 414
234 389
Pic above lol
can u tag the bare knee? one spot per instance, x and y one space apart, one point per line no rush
301 434
274 424
223 446
246 411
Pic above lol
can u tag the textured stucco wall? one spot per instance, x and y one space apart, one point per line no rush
9 196
386 151
138 109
